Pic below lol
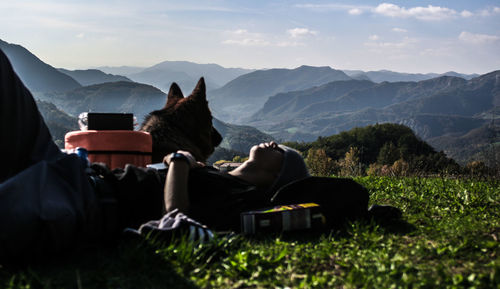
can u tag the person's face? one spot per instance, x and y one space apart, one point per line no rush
268 155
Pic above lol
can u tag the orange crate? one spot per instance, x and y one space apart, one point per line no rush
115 148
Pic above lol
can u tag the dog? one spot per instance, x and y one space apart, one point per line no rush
184 123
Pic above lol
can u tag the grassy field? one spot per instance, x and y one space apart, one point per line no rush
449 239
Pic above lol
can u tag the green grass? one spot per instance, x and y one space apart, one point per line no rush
449 240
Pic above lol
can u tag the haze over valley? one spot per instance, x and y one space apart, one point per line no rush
454 112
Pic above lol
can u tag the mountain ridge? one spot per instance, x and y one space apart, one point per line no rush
244 95
186 74
37 75
304 103
393 76
444 106
92 76
121 96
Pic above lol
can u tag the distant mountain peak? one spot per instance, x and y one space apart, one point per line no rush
37 75
186 74
246 94
314 67
92 76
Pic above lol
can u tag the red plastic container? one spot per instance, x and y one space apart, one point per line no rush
115 148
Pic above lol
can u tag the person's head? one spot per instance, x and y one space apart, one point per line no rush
273 165
267 156
292 168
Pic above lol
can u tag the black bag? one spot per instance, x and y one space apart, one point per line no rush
341 199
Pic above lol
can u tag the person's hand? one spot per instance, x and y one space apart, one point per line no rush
271 144
189 157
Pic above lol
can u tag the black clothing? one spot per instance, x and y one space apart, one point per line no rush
25 139
129 197
46 202
216 199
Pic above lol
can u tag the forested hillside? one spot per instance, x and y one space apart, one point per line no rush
122 96
376 145
58 122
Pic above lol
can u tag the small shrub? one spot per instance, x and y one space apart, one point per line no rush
351 164
319 163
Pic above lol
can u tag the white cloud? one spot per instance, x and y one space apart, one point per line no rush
59 23
351 9
466 14
440 49
400 30
489 11
423 13
389 9
243 37
240 31
299 32
355 11
477 38
373 37
380 46
289 44
247 42
80 35
331 6
429 13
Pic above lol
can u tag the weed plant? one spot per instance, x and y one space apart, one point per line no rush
448 239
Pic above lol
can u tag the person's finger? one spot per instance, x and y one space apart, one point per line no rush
199 165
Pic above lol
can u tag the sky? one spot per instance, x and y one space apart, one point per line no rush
404 36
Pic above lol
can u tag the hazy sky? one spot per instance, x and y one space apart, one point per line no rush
405 36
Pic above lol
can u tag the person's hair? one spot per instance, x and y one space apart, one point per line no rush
293 168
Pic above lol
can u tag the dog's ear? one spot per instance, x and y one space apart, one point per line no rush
199 92
174 94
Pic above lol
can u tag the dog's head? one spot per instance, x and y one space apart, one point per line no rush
184 123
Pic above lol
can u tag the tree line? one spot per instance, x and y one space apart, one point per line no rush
381 149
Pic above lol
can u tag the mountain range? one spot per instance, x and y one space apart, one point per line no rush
185 74
61 98
121 96
138 99
244 95
441 110
92 76
391 76
349 96
456 114
120 70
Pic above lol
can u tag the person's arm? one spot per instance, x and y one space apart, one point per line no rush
176 183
